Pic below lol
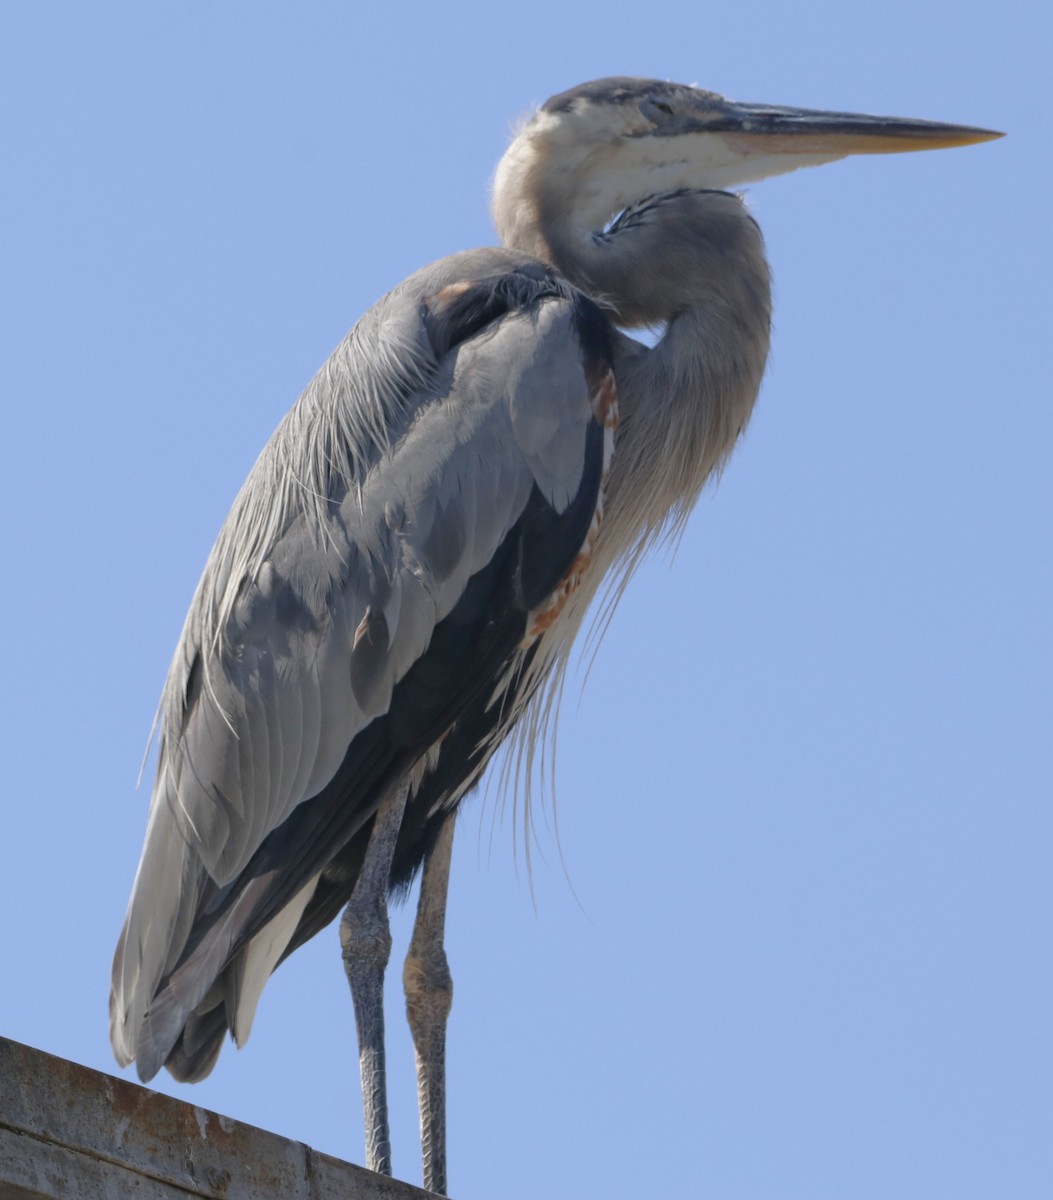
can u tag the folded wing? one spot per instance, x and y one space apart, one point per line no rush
371 587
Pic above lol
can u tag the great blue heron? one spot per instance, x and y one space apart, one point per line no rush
400 579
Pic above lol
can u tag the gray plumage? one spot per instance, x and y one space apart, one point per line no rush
375 505
401 578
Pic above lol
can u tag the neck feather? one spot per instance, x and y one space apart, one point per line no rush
693 262
690 260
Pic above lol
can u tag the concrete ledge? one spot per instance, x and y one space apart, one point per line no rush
67 1132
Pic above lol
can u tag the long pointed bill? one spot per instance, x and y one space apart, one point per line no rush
740 143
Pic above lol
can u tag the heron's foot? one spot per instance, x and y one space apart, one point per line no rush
365 939
429 996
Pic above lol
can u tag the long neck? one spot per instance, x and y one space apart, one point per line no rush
692 261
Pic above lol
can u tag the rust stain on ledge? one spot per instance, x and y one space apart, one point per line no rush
69 1131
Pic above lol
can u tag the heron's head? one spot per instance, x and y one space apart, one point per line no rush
588 153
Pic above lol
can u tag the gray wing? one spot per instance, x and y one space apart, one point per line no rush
458 409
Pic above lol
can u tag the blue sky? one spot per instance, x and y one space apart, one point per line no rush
793 939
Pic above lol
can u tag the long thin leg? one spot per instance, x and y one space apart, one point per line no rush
365 937
429 995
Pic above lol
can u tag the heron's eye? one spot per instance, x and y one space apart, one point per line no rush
656 111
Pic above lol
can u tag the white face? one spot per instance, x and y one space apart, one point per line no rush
609 157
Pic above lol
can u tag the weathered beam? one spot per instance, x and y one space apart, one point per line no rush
68 1132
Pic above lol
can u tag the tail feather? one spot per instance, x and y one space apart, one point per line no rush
195 1053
